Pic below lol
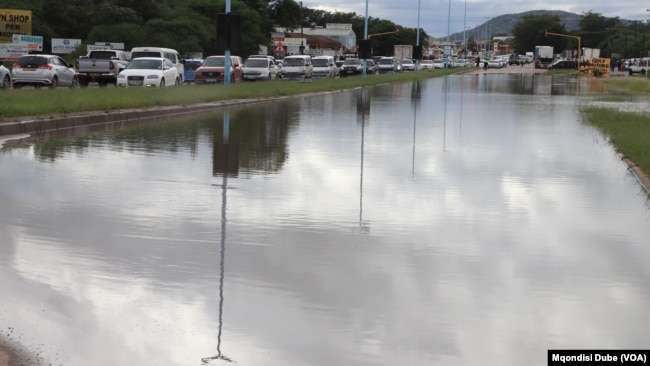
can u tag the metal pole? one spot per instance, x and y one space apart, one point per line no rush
417 40
226 65
465 31
365 36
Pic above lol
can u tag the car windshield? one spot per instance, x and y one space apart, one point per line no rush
386 61
352 61
192 65
319 62
144 54
215 62
33 61
256 62
293 62
407 61
144 64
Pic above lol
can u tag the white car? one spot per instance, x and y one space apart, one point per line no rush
5 77
258 68
408 65
43 70
149 72
438 63
426 65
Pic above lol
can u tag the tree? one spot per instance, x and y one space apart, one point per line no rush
529 32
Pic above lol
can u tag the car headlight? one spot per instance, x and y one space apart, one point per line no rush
152 76
120 76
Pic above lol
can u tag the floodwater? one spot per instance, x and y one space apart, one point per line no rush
467 220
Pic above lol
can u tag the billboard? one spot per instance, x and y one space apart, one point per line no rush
64 45
14 21
34 43
12 52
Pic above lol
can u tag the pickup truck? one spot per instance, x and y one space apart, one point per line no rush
101 66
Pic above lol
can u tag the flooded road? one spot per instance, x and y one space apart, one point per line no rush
473 219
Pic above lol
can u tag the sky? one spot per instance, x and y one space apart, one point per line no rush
441 17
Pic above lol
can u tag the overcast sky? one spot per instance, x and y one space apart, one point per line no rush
435 19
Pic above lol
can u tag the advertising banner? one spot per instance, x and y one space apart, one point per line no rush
14 21
33 43
12 52
64 45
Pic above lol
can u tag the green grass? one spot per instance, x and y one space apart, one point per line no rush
629 86
45 103
628 132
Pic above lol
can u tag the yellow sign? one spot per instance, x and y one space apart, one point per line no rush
14 21
599 66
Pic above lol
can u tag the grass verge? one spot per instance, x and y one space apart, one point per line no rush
43 103
628 132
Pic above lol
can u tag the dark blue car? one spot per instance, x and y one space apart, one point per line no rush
190 67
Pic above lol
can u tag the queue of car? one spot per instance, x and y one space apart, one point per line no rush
162 67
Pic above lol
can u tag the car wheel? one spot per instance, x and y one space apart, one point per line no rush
178 82
643 72
5 83
55 83
162 83
75 82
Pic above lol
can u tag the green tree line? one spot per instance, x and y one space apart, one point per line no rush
613 36
189 25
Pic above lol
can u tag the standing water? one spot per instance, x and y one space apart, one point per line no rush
467 220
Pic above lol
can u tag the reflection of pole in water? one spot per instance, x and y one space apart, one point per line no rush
415 96
363 107
444 121
224 186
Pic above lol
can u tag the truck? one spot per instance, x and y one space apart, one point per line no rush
101 66
403 51
543 56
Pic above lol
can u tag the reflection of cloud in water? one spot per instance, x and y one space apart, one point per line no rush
511 240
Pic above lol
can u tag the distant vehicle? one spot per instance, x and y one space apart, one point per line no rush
324 67
426 65
563 64
259 68
408 65
5 77
43 70
168 53
438 63
101 66
371 67
149 72
190 68
351 66
212 71
639 66
387 65
543 56
297 67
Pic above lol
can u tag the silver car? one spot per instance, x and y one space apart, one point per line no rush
5 78
43 70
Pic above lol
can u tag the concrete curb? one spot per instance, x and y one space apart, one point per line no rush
85 121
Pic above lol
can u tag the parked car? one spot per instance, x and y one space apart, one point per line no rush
212 70
324 67
5 77
426 65
101 66
495 63
639 66
43 70
258 68
399 66
438 63
387 65
297 67
351 66
563 64
168 53
371 67
190 68
149 72
408 65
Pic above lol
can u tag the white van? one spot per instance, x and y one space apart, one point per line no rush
168 53
324 67
297 67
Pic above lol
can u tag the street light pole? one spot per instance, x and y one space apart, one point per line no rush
302 46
